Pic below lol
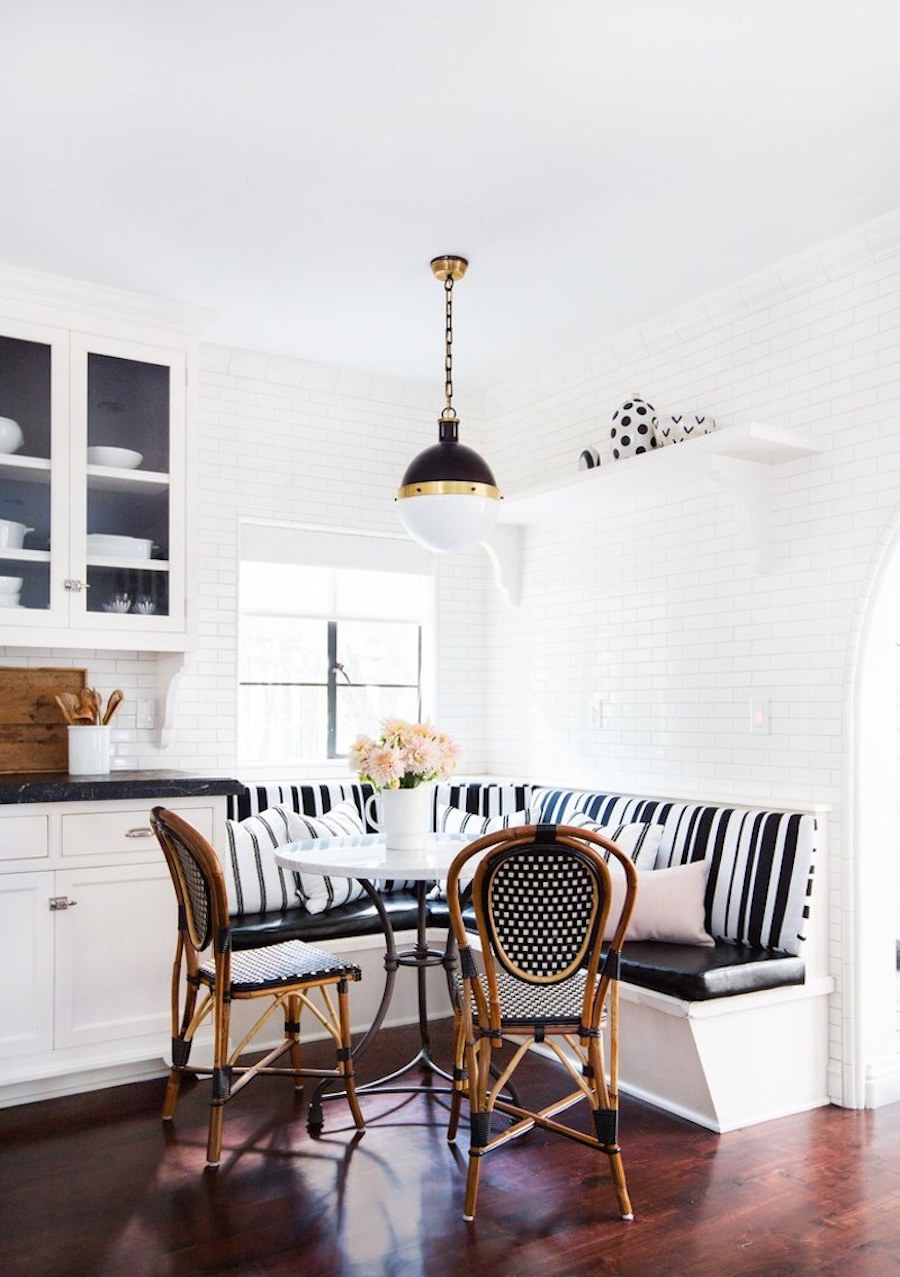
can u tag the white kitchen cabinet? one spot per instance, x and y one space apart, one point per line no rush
88 928
70 392
114 951
26 955
86 367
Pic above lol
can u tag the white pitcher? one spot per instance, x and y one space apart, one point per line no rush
403 815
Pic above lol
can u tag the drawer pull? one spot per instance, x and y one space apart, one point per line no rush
61 902
145 832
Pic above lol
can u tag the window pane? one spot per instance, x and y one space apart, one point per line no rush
361 709
278 724
379 651
283 649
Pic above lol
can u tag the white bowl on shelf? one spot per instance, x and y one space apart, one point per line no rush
105 546
10 585
10 600
11 437
120 458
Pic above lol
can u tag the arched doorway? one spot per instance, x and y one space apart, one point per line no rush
871 879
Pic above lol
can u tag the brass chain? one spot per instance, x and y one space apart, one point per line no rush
448 350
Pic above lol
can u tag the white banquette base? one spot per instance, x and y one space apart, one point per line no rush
729 1062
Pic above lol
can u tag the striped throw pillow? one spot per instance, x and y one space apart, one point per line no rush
638 839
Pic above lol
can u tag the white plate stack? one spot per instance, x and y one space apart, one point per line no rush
10 591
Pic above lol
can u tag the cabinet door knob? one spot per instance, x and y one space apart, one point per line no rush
75 586
144 832
61 902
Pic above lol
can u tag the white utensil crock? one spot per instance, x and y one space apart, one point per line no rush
88 750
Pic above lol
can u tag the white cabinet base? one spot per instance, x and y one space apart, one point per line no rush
86 1001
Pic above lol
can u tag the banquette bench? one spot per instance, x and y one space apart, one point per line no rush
725 1032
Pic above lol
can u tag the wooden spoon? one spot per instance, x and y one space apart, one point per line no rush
115 700
68 704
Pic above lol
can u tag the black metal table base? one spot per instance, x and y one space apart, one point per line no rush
420 956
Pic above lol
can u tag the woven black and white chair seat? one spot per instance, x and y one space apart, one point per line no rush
522 1002
279 964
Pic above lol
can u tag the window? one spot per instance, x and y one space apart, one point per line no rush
327 650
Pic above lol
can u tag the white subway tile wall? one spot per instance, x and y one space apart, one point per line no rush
653 613
656 614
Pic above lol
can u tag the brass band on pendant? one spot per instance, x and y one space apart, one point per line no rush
449 487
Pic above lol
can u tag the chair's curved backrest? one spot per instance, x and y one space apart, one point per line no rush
542 896
197 877
541 905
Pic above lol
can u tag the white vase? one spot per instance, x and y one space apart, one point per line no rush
404 816
632 430
88 750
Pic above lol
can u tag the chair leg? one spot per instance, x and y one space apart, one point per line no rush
171 1097
181 1044
478 1063
471 1187
292 1032
345 1056
460 1087
618 1174
606 1116
221 1080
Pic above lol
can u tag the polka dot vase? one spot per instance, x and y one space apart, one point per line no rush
632 429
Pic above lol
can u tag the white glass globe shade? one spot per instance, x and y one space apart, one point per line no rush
449 522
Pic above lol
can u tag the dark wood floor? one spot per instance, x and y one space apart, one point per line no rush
94 1185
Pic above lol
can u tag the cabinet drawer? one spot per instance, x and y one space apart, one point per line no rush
93 833
23 837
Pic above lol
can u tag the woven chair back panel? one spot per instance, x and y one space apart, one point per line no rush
198 890
541 907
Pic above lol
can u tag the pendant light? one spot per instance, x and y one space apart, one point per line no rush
448 498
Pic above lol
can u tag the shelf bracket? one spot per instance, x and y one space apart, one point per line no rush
504 549
169 672
750 484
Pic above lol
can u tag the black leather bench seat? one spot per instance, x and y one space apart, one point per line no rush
697 974
689 972
358 918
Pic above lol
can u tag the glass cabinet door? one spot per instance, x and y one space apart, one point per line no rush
33 449
127 486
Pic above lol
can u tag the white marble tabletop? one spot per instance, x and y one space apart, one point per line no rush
366 856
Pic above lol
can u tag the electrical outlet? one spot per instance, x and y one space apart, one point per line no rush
146 713
595 712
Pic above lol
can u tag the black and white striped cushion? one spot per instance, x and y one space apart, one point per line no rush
450 820
639 839
761 863
318 892
254 883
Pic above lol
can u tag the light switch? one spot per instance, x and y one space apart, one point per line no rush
759 718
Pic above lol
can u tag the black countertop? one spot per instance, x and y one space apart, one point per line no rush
60 787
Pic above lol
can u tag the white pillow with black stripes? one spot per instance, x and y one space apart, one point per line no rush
255 883
638 839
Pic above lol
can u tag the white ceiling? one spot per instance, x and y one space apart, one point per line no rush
294 165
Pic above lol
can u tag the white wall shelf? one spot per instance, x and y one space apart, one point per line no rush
739 458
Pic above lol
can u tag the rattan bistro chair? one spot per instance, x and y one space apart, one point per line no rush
541 896
284 974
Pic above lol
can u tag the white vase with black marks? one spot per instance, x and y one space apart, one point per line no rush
672 428
633 428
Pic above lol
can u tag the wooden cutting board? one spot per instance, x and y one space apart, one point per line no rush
32 730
